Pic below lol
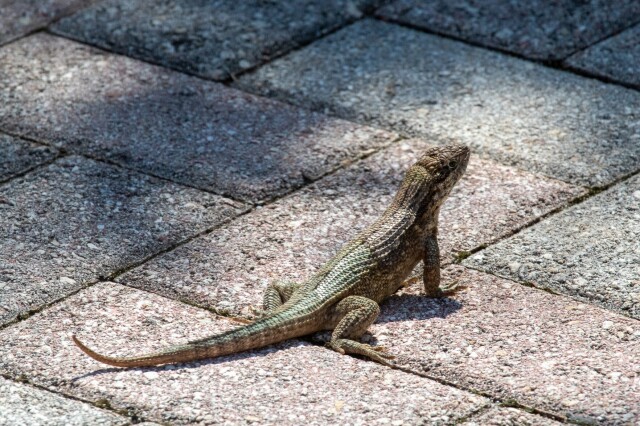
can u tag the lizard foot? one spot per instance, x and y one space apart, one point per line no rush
241 320
410 281
257 313
447 290
376 353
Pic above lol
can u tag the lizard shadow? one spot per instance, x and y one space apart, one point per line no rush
413 307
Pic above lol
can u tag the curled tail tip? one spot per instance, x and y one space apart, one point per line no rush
93 354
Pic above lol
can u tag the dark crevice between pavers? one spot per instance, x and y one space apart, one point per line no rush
475 413
102 404
32 168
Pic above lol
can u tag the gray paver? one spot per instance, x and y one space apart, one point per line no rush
169 124
289 383
536 29
77 220
21 17
17 155
572 128
616 58
544 351
504 416
210 38
23 405
229 268
589 251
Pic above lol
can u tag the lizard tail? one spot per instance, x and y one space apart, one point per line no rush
258 334
183 352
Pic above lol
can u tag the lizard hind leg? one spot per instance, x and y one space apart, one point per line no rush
354 314
276 294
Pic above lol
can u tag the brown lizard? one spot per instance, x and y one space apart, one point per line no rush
344 294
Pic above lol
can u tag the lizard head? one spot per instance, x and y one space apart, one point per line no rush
444 165
430 180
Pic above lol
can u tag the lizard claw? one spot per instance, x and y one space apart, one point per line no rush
240 320
410 281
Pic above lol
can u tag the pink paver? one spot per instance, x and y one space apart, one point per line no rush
288 240
504 416
290 383
545 351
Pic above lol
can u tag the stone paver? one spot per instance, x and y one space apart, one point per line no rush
214 39
229 268
504 416
572 128
23 405
17 155
169 124
18 18
290 383
536 29
76 220
589 251
518 343
616 58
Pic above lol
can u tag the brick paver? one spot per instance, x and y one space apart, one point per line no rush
289 240
24 405
76 220
572 128
169 124
589 251
290 383
17 155
616 58
541 350
503 416
536 29
214 39
18 18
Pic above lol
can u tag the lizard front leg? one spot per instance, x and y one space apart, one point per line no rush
353 315
431 277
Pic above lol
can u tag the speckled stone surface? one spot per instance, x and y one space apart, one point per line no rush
18 18
504 416
229 268
572 128
589 251
169 124
290 383
536 29
517 343
24 405
616 58
76 220
210 38
17 155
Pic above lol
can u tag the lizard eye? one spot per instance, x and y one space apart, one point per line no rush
452 164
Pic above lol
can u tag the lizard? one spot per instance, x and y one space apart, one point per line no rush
344 295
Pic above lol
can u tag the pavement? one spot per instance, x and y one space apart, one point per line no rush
161 162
